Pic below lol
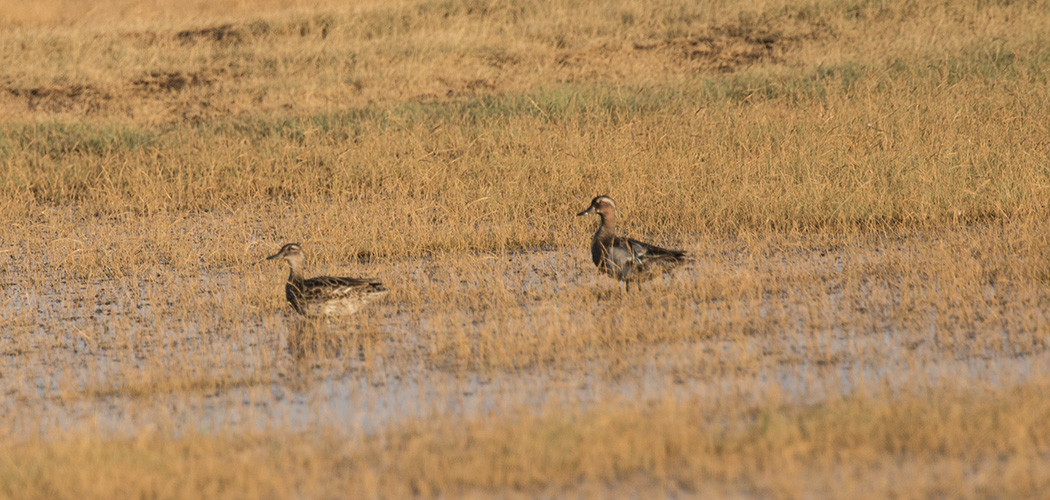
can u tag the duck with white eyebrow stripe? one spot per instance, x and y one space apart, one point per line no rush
324 295
626 259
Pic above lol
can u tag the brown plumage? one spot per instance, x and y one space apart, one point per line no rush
625 259
324 295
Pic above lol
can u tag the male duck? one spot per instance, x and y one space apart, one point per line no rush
623 258
324 295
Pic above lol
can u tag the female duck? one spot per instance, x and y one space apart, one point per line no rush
324 295
623 258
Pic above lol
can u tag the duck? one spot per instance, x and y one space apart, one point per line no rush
626 259
324 295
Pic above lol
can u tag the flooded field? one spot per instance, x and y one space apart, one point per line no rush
809 318
863 186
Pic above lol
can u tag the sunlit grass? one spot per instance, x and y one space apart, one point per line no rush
862 184
978 443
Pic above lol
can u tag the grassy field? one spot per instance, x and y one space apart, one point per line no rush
863 183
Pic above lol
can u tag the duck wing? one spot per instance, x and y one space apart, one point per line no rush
330 287
640 261
645 252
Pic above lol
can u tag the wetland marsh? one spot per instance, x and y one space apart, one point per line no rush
862 186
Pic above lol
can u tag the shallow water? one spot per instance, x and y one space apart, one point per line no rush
124 356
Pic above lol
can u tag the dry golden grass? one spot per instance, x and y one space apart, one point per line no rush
863 185
805 116
937 443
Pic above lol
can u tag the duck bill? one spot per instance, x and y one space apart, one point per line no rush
590 210
274 256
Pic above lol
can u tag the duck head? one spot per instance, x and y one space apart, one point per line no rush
601 205
291 253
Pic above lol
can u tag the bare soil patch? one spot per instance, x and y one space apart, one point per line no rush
224 34
736 45
77 97
174 81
